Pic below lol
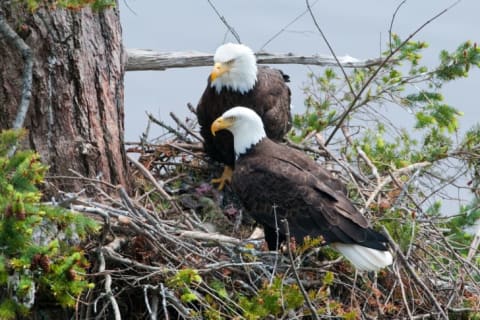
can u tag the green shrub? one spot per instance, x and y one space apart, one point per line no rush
38 243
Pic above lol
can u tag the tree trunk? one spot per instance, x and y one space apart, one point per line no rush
75 116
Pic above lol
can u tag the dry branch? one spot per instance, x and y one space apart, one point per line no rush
149 176
199 235
108 288
14 39
414 275
142 60
380 66
295 272
388 179
149 239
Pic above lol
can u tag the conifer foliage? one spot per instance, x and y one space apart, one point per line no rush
38 253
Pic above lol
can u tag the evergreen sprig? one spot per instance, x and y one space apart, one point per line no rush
38 252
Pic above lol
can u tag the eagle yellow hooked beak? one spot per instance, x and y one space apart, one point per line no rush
219 69
221 123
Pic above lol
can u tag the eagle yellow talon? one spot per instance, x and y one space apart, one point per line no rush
224 178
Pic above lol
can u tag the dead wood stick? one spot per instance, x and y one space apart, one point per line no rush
108 287
149 176
14 39
295 272
414 275
388 179
184 127
199 235
139 59
166 126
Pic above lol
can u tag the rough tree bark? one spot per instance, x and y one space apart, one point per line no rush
75 118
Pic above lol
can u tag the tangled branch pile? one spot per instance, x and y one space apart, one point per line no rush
178 249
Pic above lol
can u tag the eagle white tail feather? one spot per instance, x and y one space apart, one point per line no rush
363 258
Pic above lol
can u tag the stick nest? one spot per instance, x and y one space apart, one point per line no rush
177 248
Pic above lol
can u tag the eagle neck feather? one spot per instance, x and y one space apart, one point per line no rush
248 150
245 144
239 81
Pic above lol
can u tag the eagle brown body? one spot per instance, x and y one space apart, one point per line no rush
275 182
269 98
273 179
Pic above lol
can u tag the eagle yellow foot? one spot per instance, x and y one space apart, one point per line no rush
224 178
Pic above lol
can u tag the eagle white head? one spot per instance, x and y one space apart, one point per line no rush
245 125
235 68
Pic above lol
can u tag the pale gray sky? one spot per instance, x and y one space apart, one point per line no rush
356 28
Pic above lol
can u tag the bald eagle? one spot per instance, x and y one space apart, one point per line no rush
236 80
275 182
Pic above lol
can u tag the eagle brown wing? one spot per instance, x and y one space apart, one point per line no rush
276 182
273 100
270 98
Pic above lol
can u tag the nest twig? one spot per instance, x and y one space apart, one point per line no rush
175 221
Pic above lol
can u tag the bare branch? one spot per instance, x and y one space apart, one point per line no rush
14 39
329 48
152 310
295 272
165 126
285 27
164 301
112 255
474 246
369 162
402 289
149 176
229 27
205 236
388 179
380 67
414 275
108 287
184 127
392 21
143 60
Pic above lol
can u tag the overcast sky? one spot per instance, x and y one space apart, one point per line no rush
356 28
